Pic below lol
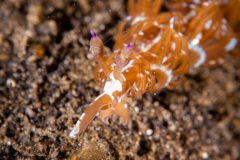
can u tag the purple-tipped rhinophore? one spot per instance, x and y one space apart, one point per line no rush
93 34
129 46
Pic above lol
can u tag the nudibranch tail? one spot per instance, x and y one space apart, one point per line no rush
102 102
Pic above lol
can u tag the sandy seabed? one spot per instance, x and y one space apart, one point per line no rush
47 81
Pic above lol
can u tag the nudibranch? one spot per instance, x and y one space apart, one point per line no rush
126 77
157 50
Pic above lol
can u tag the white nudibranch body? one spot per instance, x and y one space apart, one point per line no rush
112 86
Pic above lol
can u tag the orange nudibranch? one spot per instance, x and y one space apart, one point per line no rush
158 49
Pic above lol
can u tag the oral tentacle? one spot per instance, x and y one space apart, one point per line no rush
122 111
106 114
